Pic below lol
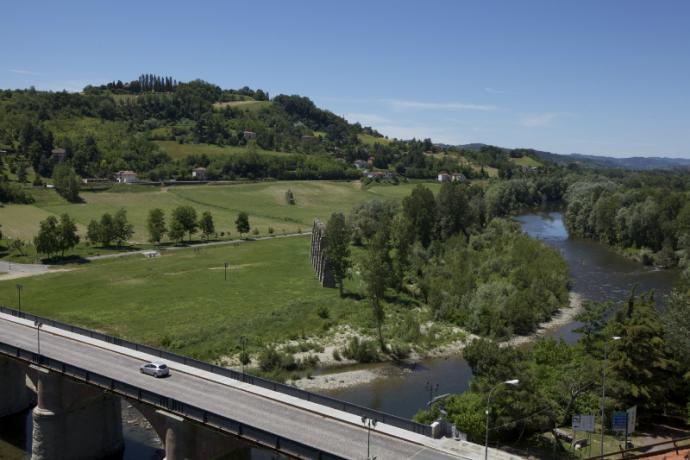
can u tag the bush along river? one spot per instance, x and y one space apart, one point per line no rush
597 273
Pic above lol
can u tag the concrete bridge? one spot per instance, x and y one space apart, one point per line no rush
77 377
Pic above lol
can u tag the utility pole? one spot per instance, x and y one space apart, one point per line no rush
226 271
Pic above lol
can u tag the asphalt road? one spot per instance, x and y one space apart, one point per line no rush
320 431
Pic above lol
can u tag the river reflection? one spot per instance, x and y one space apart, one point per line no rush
597 273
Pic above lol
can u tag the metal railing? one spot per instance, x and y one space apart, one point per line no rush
210 419
327 401
650 450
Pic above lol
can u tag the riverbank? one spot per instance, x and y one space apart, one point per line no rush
333 379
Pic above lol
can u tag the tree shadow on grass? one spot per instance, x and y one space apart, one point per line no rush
65 260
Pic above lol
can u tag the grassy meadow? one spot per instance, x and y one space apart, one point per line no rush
264 202
182 302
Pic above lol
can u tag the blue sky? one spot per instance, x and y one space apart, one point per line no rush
595 77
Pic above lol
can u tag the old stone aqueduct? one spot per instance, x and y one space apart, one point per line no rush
73 420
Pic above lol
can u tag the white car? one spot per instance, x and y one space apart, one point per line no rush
156 368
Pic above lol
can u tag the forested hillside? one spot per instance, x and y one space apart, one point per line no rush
161 129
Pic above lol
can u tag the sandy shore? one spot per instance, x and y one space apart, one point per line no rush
348 378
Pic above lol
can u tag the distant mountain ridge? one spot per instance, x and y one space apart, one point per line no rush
633 163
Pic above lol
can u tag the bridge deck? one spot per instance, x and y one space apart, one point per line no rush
323 428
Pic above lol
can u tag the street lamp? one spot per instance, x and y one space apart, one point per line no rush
488 405
603 390
226 271
19 296
369 423
38 325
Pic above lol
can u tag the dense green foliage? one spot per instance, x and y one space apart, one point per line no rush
56 237
647 214
338 236
499 283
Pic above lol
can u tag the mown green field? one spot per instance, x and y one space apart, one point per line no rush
180 301
177 150
526 161
264 202
368 139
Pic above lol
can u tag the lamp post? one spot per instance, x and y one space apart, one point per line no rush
603 390
226 271
488 406
38 325
19 296
369 423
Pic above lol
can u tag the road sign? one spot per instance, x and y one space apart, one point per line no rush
583 423
632 419
620 421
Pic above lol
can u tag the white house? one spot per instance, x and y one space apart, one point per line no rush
443 176
458 177
249 135
199 173
126 177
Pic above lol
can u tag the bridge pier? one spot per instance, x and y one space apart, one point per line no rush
15 396
73 421
186 440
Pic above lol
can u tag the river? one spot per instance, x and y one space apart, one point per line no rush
597 273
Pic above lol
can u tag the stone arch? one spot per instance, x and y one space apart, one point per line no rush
184 439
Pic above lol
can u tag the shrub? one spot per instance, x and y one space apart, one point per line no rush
400 350
244 357
323 312
363 351
269 359
255 231
270 231
337 357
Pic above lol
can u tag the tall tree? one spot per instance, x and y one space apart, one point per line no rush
376 275
242 223
47 240
338 236
185 217
66 182
122 229
639 359
206 225
67 237
155 224
420 209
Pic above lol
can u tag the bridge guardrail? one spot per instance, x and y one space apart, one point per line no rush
188 411
327 401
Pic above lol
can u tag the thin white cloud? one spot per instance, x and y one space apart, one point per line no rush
23 72
401 104
367 119
539 120
495 91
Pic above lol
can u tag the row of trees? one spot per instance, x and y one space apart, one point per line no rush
56 236
184 222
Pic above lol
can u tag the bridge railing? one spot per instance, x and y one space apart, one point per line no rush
219 422
327 401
